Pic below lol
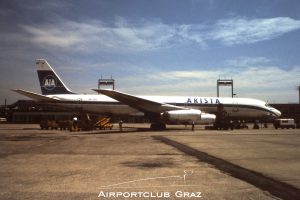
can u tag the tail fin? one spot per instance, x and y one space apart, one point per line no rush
49 81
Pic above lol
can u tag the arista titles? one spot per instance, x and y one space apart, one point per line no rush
203 101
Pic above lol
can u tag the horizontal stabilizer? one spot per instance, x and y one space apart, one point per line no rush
34 96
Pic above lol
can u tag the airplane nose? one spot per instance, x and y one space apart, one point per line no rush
276 112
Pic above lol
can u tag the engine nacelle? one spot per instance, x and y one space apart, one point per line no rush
207 118
181 116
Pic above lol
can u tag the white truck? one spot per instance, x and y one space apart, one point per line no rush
284 123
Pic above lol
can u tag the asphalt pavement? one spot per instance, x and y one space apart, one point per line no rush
141 164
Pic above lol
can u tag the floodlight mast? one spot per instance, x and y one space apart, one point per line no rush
225 82
106 82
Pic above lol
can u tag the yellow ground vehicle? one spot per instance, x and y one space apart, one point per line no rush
104 123
84 123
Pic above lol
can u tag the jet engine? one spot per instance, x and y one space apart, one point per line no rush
181 116
187 116
207 118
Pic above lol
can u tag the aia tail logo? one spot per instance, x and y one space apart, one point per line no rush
49 82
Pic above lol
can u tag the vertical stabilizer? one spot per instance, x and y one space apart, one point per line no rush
49 81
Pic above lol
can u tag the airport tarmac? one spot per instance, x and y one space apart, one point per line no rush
172 164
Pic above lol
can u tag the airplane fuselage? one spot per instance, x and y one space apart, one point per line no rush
233 108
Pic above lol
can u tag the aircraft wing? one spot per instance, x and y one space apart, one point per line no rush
34 96
139 103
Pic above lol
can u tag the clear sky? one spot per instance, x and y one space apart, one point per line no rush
157 47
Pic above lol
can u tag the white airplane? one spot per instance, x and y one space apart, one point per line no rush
161 110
